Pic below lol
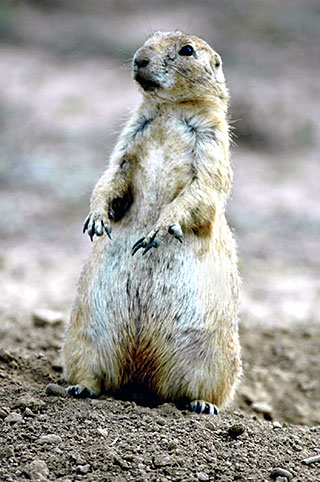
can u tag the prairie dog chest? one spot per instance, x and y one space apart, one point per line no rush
163 147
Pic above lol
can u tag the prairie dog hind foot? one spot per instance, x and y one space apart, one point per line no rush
196 406
80 391
202 407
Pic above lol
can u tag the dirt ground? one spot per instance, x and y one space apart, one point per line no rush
65 90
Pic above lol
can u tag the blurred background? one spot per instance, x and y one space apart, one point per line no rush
65 90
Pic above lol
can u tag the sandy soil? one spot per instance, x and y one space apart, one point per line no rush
65 93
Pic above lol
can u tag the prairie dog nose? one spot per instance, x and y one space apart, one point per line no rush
140 62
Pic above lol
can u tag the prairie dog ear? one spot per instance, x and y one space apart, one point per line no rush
216 66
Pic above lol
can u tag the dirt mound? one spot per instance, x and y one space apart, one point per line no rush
52 438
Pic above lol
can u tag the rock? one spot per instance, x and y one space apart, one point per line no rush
4 412
161 421
311 460
37 470
262 407
83 469
247 396
9 451
13 417
236 430
43 317
28 413
172 445
49 439
161 461
56 390
279 472
6 356
103 432
276 424
27 400
57 364
80 461
202 476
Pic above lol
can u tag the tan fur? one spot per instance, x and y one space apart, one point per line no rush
166 320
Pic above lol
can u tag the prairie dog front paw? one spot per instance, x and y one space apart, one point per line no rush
155 237
96 223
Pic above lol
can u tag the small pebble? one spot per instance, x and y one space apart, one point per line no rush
28 412
37 470
80 461
4 412
9 451
56 390
262 407
279 472
161 421
44 317
162 461
172 445
49 439
27 400
311 460
57 365
103 432
276 424
236 430
13 417
202 476
83 469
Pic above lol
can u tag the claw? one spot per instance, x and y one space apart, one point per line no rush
201 406
80 391
213 409
85 225
91 231
107 229
139 244
142 243
153 244
175 230
98 227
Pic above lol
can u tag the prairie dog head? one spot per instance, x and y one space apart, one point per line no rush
175 67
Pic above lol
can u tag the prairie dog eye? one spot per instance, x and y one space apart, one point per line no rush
186 50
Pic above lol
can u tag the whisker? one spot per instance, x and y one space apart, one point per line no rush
194 81
148 23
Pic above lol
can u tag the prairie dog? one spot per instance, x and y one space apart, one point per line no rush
157 305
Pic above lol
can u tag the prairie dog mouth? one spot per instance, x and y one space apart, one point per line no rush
146 83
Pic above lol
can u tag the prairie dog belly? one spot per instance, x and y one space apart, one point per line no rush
130 290
157 293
